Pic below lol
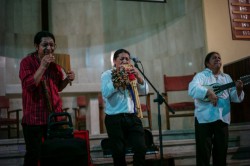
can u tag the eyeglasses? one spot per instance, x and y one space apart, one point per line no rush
124 58
45 45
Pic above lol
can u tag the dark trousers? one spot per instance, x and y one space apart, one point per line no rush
33 139
123 129
211 138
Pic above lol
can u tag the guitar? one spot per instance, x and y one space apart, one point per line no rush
218 88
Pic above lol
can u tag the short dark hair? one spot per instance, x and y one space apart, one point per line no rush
208 56
116 54
38 37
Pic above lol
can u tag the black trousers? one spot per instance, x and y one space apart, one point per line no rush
211 138
123 129
33 139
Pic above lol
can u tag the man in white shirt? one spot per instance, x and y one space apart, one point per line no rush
212 111
121 120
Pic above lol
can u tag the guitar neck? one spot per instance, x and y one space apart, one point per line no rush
225 86
217 88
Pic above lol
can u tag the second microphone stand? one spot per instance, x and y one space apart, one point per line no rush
159 100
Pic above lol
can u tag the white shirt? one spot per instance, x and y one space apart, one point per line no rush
205 111
118 101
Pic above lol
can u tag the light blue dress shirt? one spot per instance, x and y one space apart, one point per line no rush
205 112
118 100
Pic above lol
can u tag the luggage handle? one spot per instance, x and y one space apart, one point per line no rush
52 121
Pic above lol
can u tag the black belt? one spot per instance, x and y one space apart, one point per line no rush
123 114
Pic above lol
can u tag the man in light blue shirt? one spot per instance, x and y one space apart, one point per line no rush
121 120
212 111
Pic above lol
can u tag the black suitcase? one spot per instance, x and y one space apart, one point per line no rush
61 148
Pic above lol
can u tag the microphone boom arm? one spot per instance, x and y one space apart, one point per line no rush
159 98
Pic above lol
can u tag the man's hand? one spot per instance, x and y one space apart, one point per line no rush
239 87
47 59
212 97
70 75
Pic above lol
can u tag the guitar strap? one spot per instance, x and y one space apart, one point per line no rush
44 86
228 90
47 96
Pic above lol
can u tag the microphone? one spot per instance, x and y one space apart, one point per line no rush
136 60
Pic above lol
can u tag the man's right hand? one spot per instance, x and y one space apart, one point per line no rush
213 98
47 59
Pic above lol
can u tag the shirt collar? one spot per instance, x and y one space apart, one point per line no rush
210 72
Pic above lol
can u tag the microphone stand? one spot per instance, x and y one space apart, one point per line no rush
159 100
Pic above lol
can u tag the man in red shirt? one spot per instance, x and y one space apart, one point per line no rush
41 80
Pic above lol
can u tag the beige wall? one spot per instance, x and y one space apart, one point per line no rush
218 32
